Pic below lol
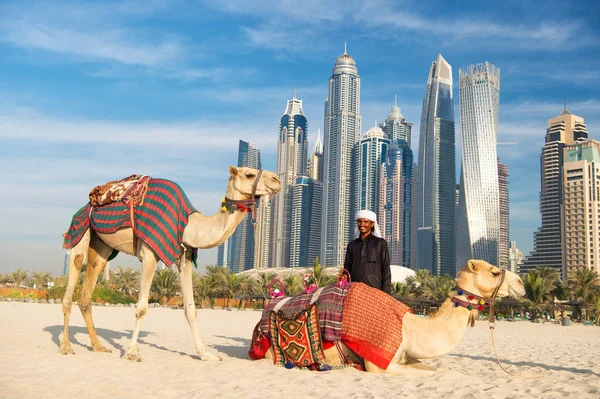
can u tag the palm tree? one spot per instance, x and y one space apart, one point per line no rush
582 286
438 287
292 284
264 283
405 290
165 284
40 279
232 285
18 276
126 281
539 284
4 279
203 290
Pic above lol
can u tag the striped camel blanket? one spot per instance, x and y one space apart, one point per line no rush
160 218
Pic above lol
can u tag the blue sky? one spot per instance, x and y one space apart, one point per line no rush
95 91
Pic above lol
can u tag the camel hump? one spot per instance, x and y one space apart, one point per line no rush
116 190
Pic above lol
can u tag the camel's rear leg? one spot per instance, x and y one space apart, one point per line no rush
185 276
98 255
77 258
149 261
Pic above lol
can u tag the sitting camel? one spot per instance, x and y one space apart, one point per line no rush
94 249
478 284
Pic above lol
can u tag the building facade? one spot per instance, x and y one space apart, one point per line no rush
241 242
341 133
307 202
371 152
396 127
515 258
581 199
478 216
436 174
504 243
292 158
315 162
397 197
262 233
548 240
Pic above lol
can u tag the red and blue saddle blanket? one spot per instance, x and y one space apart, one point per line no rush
159 219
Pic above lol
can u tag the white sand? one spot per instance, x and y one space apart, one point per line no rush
32 367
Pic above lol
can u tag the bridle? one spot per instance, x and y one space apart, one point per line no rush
247 205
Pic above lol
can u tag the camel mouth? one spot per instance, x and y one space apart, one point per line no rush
516 294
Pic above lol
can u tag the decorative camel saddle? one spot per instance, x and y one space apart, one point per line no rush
156 209
365 319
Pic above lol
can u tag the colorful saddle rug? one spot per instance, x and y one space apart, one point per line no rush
330 304
296 339
118 189
160 216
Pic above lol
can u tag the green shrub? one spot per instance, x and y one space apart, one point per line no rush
105 294
56 292
15 295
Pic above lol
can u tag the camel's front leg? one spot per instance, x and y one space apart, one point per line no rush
149 261
185 276
77 259
98 255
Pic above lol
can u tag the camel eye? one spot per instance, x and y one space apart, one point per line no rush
250 175
496 274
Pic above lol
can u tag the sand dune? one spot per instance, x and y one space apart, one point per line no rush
566 358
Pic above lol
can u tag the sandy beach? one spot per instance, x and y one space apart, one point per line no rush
566 359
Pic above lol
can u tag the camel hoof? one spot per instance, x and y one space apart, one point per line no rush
134 357
209 357
100 348
66 349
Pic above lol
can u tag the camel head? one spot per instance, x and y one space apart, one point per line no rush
243 180
481 278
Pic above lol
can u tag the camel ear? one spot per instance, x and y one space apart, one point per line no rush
472 265
233 171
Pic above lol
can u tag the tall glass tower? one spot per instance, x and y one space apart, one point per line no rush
436 176
396 127
396 215
241 242
292 157
371 152
342 132
315 162
478 220
307 200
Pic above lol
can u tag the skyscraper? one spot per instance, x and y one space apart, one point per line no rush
396 214
307 201
396 127
241 243
436 176
548 240
478 221
262 233
342 132
370 154
292 151
504 242
315 162
515 258
581 188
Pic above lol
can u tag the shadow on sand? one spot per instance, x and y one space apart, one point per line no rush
110 336
236 351
530 364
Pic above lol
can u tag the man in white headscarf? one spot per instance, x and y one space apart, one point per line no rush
367 257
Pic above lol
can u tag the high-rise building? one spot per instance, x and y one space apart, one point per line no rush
396 127
241 243
292 153
307 202
581 194
478 216
397 196
504 242
436 174
371 152
515 258
315 162
262 233
548 240
223 254
342 132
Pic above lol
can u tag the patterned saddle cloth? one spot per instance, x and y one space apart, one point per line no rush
116 190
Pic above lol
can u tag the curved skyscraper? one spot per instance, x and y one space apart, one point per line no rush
342 132
478 220
436 176
292 156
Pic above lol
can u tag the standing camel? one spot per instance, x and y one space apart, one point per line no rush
424 338
94 249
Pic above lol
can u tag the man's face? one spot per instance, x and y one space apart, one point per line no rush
364 225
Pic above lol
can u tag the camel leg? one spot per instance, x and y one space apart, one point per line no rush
77 258
97 258
149 261
185 276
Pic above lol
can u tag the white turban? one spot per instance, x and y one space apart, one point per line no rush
364 214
